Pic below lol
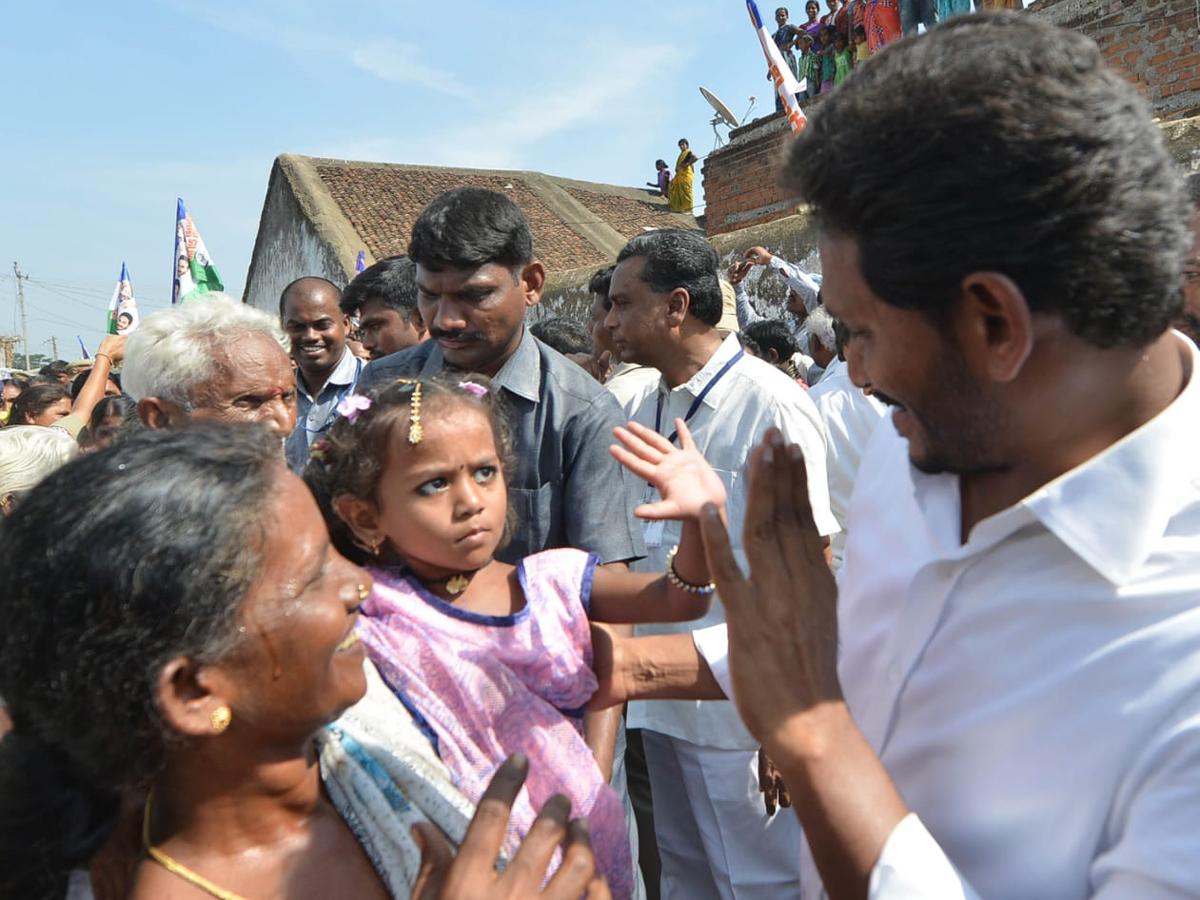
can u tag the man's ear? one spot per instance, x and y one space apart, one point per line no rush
679 301
361 517
189 693
415 321
533 279
157 413
994 325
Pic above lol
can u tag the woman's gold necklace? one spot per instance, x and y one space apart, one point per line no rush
177 868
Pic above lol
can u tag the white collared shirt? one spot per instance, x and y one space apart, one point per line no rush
849 417
730 421
1034 693
629 383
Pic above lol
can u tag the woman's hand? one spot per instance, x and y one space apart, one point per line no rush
683 478
472 874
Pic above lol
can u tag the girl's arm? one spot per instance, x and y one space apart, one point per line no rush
686 484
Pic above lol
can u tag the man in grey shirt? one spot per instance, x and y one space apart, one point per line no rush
476 277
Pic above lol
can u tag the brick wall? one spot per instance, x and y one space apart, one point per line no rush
1152 42
740 186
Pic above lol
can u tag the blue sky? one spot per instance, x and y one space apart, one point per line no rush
114 110
112 114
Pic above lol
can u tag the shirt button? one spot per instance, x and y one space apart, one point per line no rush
895 673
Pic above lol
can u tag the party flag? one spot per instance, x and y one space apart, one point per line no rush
785 81
195 273
82 347
361 262
122 308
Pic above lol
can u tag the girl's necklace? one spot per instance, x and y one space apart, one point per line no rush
456 583
178 868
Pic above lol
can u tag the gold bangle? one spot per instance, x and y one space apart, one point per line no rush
105 355
687 587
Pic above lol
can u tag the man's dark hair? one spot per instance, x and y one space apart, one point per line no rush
82 377
468 227
678 258
563 335
601 282
1001 143
841 336
772 334
392 280
306 284
57 369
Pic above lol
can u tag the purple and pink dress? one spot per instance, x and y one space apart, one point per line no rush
490 686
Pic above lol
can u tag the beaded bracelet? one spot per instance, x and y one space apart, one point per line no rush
675 581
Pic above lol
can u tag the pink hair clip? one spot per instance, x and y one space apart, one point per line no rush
471 387
351 406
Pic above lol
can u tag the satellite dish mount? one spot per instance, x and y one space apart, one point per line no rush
724 115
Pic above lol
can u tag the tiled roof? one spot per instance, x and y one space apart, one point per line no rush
574 223
628 216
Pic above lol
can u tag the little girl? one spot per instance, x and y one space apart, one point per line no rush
491 658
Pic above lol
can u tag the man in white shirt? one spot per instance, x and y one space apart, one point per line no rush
714 838
849 415
627 381
1000 699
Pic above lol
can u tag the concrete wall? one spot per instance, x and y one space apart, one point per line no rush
740 187
1152 42
565 295
287 247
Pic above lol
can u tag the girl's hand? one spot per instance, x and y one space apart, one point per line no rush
684 479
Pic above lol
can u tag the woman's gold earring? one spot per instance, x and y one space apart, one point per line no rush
220 718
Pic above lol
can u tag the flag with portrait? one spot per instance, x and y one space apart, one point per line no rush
195 273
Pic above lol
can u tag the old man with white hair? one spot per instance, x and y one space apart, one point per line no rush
211 358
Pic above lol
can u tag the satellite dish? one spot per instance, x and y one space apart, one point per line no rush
724 113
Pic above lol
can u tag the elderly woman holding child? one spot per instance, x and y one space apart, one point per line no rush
194 683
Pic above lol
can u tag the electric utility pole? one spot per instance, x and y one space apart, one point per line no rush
24 318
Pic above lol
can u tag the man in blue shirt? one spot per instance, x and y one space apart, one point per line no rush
326 370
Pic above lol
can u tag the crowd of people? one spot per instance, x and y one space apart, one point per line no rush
390 595
823 50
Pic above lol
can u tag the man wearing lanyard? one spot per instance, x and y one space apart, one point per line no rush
713 834
326 370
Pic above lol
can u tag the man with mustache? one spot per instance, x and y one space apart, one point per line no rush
476 277
998 698
326 370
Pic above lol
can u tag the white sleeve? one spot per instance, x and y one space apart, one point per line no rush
801 424
804 284
913 867
746 313
712 644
